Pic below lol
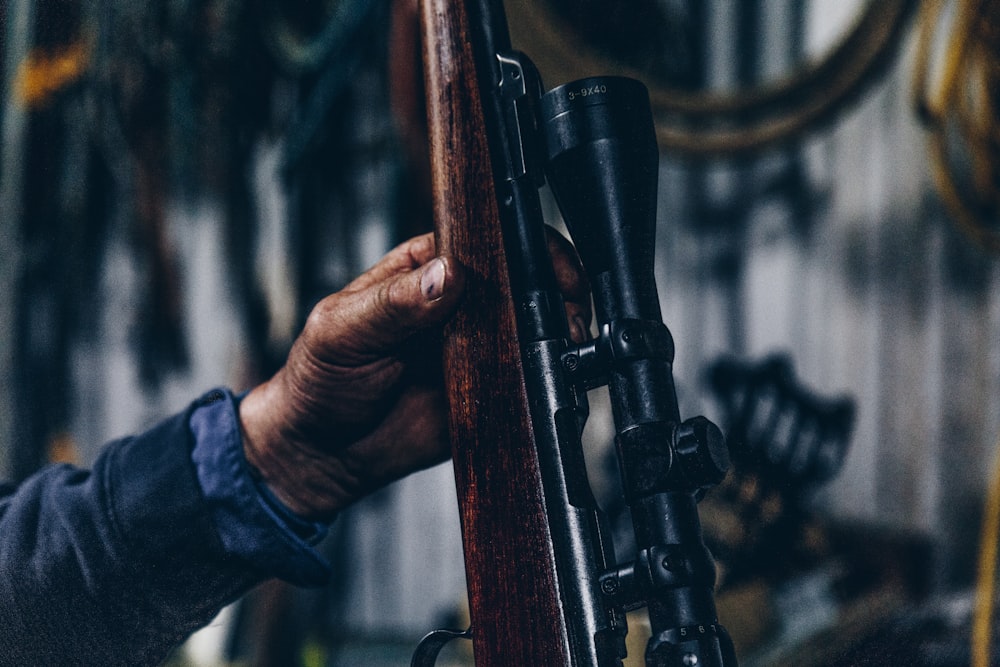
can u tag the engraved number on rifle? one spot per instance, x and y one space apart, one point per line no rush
701 630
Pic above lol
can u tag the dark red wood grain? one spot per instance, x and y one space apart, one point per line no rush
516 612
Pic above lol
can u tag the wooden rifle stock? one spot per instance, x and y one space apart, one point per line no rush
510 563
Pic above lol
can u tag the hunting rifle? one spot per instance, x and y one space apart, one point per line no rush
544 585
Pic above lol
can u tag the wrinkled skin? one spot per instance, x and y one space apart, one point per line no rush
359 402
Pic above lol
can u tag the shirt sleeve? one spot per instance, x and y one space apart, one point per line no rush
118 564
252 523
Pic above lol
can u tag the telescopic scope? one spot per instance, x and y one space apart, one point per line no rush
602 163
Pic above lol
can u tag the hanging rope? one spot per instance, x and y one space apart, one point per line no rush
298 50
704 123
961 109
982 621
334 54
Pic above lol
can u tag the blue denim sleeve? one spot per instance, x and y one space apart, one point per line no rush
252 523
114 565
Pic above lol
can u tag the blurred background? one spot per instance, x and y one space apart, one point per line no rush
180 181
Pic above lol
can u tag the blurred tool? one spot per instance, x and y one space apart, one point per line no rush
785 442
779 426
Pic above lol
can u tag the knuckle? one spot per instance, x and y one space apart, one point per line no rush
386 300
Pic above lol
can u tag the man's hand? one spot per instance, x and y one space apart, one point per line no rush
359 402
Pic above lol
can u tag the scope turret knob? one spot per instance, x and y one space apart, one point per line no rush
701 452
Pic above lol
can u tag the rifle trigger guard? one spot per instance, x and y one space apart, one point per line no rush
432 643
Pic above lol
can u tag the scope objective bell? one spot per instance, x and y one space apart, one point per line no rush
602 161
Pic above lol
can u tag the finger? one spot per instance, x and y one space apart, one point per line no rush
407 256
361 325
573 283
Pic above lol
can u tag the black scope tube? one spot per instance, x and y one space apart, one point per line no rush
602 165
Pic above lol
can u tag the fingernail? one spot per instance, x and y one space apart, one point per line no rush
581 327
432 280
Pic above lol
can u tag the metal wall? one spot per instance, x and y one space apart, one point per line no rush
871 290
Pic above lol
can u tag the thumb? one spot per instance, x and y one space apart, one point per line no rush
364 325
